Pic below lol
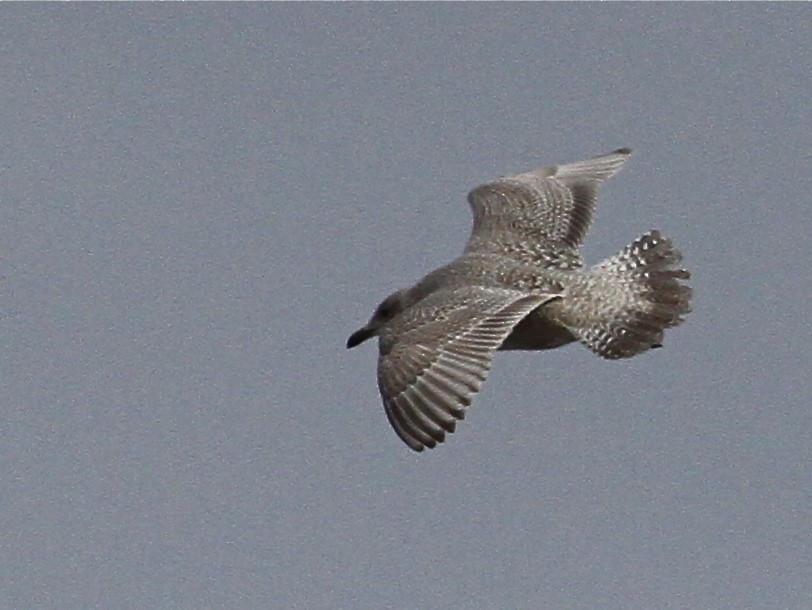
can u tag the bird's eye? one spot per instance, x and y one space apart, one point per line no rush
384 312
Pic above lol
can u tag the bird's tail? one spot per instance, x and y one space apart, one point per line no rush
641 296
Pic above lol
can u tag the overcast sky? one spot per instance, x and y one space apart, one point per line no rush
198 205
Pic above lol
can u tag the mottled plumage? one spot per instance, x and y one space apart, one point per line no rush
519 284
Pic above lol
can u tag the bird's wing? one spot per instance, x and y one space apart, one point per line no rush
436 355
540 216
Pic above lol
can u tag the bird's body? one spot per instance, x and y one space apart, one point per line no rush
520 284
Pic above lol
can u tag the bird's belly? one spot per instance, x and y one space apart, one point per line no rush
536 332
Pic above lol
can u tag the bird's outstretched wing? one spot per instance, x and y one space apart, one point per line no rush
435 357
541 216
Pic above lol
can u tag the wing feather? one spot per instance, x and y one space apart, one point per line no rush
433 366
541 216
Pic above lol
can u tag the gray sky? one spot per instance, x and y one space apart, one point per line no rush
199 203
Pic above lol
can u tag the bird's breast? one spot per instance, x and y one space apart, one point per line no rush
537 332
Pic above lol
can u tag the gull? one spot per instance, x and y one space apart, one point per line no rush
520 284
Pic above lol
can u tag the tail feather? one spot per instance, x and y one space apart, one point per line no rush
645 297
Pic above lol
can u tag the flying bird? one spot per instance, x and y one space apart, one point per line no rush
520 284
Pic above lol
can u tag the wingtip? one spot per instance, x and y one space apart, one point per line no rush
622 151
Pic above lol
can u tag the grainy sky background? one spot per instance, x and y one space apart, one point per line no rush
199 203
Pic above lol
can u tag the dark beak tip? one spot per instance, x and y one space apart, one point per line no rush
357 338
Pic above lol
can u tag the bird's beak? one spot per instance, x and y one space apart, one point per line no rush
359 336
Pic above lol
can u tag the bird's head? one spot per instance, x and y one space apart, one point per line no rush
390 307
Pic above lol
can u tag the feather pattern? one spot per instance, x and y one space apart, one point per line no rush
428 379
541 216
